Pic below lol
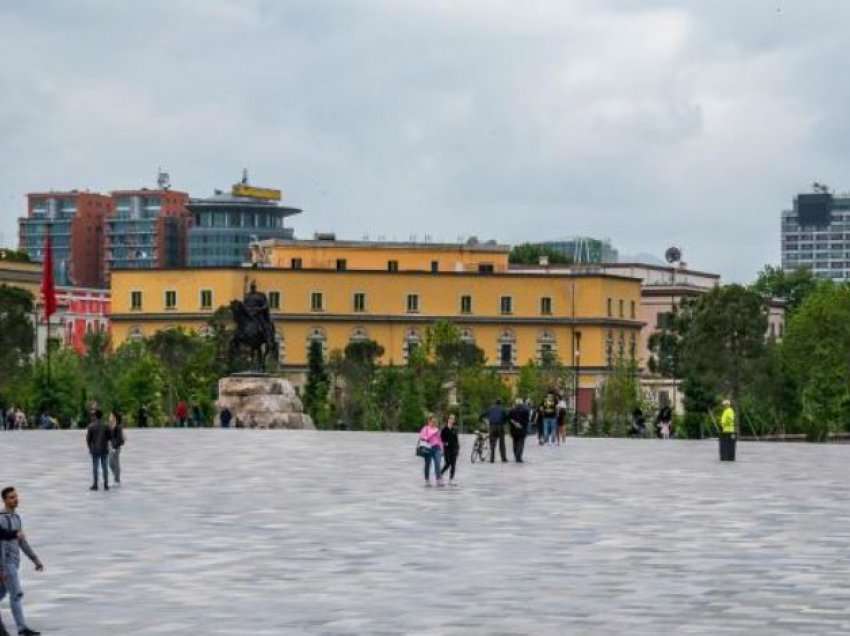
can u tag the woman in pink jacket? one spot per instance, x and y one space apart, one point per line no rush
430 434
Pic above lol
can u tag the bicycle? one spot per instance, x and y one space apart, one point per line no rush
481 447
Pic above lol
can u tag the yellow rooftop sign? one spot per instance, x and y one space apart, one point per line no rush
245 190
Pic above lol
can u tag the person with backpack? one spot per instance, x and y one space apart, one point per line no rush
451 448
10 561
116 441
430 448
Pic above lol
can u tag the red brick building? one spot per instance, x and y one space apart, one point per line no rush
76 228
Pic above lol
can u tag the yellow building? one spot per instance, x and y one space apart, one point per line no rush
22 274
587 320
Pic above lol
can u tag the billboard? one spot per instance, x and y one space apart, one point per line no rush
814 209
245 190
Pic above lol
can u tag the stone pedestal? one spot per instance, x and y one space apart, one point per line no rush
261 401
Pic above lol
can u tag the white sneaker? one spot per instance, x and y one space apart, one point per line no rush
427 484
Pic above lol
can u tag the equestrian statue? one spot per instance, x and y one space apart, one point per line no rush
254 328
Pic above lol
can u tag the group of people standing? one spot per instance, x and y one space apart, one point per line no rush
104 442
13 419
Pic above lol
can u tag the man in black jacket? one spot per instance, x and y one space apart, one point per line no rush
519 417
97 439
451 447
496 417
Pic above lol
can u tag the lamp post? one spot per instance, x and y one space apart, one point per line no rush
576 372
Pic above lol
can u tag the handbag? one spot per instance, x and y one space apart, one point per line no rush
423 448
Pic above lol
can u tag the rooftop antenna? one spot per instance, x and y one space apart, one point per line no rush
244 176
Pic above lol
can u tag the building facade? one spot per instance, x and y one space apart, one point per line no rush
815 235
76 223
78 310
512 317
224 225
146 229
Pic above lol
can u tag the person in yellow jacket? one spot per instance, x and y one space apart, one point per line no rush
727 433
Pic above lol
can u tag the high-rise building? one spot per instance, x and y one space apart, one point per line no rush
816 235
224 225
75 220
147 229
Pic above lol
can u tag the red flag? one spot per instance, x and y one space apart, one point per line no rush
48 289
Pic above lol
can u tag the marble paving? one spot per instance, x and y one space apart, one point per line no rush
295 532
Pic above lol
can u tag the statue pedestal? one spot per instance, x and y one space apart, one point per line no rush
258 400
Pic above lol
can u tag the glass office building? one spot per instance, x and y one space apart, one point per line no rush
223 226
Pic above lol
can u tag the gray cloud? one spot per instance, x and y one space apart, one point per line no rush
650 122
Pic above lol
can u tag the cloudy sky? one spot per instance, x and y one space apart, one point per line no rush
650 122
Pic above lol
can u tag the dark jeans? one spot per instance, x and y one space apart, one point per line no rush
519 446
497 434
102 461
451 463
727 447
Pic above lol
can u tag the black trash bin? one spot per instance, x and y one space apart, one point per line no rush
727 447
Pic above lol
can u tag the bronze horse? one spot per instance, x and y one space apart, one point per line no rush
251 333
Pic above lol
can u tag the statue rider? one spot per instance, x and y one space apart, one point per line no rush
257 307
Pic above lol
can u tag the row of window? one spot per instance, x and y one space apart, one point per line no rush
359 304
392 265
621 307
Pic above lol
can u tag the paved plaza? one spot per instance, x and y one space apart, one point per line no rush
279 532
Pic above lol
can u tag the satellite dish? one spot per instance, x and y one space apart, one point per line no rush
673 255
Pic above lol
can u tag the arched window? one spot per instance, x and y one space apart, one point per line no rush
547 346
412 340
506 349
358 334
317 334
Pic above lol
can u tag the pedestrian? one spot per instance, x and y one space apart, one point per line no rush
496 417
432 443
116 442
9 419
97 439
664 421
561 419
181 413
20 420
224 417
519 417
638 427
451 448
550 418
197 417
142 416
10 561
727 433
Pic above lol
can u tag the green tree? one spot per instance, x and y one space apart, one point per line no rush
316 390
16 338
97 369
724 339
815 351
793 287
529 254
357 369
139 380
619 396
59 395
387 391
411 408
